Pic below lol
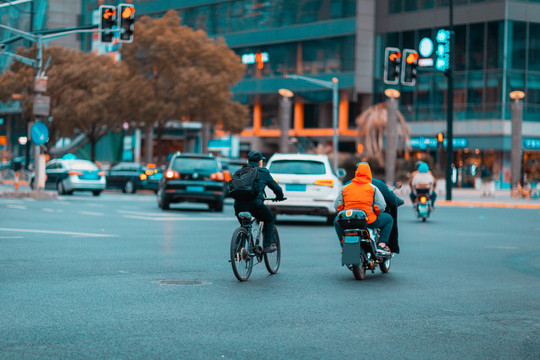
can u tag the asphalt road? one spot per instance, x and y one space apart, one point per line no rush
114 277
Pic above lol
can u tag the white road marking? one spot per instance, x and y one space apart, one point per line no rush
91 213
57 232
142 213
17 207
52 210
501 247
177 218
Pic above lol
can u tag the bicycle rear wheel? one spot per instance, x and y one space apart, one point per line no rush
272 260
241 262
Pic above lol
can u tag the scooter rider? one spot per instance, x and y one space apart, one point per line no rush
362 194
423 178
256 207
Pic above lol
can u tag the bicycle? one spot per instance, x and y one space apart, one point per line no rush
246 246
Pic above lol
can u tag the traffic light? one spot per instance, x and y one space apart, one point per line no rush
126 14
107 21
408 75
392 65
440 138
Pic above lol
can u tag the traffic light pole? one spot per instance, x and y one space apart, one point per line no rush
450 107
38 65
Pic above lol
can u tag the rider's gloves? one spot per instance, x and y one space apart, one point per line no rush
376 210
399 201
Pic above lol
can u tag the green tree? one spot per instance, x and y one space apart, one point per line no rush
180 74
82 88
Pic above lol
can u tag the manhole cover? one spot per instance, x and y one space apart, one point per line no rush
180 282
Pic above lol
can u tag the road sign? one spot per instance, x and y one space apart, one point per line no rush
39 133
42 105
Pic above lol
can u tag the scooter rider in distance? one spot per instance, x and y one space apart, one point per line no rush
256 205
363 195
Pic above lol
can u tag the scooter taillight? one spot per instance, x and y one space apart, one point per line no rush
423 200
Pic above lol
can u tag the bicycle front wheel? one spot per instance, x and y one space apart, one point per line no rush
272 260
241 261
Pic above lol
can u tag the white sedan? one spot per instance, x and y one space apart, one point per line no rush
308 182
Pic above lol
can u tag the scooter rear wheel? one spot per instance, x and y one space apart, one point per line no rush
359 271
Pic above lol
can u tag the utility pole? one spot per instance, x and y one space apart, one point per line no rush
450 107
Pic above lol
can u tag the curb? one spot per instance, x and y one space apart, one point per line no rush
29 194
487 204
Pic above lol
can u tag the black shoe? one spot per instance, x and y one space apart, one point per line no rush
383 250
270 248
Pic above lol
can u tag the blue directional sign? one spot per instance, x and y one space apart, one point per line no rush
39 133
442 51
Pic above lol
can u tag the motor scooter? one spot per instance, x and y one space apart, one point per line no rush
359 252
422 204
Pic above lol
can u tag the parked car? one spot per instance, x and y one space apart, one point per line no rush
308 182
69 175
192 178
131 176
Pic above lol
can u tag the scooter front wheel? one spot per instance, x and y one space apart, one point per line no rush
359 270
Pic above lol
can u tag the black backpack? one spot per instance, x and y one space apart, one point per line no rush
242 185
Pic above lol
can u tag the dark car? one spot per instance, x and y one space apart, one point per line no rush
69 175
131 176
230 166
192 178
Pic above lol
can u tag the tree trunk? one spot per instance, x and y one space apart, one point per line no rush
149 144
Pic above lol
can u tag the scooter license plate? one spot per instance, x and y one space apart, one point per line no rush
351 239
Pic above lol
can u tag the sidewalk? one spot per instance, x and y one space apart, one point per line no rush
470 197
7 190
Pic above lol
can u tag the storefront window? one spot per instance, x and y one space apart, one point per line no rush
476 46
493 94
427 4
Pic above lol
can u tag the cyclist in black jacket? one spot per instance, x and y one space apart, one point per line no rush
256 207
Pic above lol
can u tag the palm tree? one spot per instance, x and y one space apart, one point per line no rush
371 125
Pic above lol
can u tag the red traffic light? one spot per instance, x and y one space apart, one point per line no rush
128 12
412 57
394 56
108 13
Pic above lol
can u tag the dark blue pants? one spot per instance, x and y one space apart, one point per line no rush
262 213
384 222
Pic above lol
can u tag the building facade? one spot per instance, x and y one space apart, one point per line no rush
497 50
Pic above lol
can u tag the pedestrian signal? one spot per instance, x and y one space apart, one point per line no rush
392 62
107 21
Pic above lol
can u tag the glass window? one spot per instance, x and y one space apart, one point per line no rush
476 46
394 6
459 47
460 95
442 3
82 165
493 94
297 167
532 98
409 40
534 47
411 5
495 31
427 4
518 34
392 39
475 93
188 165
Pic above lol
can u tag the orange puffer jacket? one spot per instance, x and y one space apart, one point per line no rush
359 194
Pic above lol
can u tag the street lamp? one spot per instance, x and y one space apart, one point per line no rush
285 118
391 135
515 154
334 84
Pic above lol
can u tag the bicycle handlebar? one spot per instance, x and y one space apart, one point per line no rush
274 199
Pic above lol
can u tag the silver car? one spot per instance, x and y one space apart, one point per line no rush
71 175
